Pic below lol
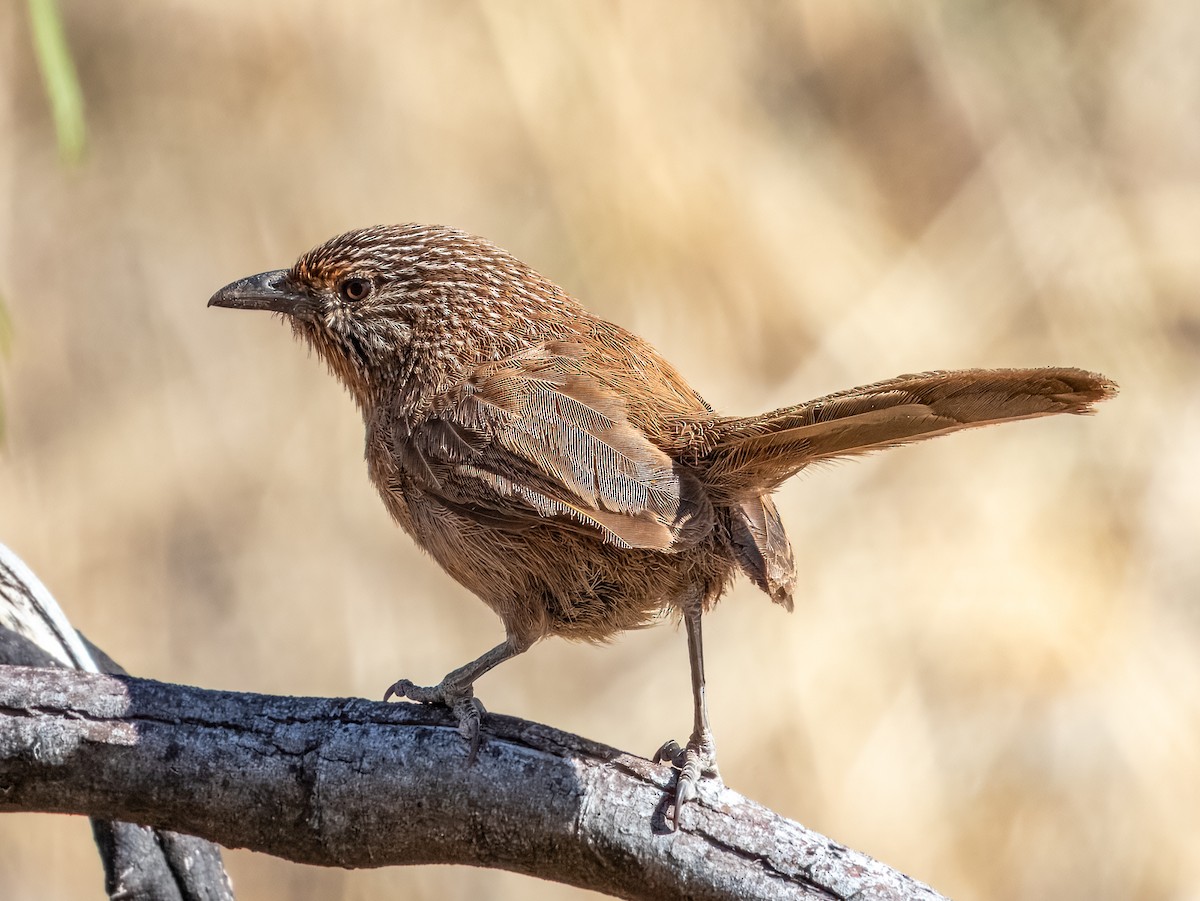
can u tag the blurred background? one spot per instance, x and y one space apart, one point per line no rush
992 677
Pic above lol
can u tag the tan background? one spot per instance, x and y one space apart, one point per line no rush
992 679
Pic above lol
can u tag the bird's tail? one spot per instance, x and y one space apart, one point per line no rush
757 453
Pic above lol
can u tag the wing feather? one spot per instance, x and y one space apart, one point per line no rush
536 436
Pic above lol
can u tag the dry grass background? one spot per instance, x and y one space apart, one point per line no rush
992 679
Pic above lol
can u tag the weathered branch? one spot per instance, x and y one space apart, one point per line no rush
355 783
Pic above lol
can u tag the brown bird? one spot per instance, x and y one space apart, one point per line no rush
558 467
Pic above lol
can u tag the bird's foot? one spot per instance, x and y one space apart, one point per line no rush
467 708
697 759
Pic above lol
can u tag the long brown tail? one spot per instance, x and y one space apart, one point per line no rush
757 453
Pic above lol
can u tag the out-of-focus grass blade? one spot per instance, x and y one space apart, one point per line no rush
59 78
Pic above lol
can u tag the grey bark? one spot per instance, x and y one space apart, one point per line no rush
355 783
359 784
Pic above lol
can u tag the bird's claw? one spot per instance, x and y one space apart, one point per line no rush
400 689
695 760
467 708
669 751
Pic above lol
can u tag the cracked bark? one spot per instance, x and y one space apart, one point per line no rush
355 783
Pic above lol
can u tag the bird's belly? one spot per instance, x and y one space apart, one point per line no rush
554 578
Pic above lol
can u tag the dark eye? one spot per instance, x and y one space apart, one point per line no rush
355 288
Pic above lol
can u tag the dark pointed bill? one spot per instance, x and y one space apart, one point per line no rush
265 291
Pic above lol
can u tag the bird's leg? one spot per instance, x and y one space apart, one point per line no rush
699 757
456 690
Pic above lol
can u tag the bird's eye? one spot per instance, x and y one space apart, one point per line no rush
355 288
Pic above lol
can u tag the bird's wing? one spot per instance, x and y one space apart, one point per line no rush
536 436
762 549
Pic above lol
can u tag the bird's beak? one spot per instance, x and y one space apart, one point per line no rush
265 291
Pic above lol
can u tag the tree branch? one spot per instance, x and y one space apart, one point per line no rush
355 783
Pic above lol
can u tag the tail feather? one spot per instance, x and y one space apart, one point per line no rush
757 453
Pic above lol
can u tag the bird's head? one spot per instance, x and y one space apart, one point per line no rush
406 308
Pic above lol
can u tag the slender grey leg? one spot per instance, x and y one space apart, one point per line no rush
699 757
457 692
700 730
